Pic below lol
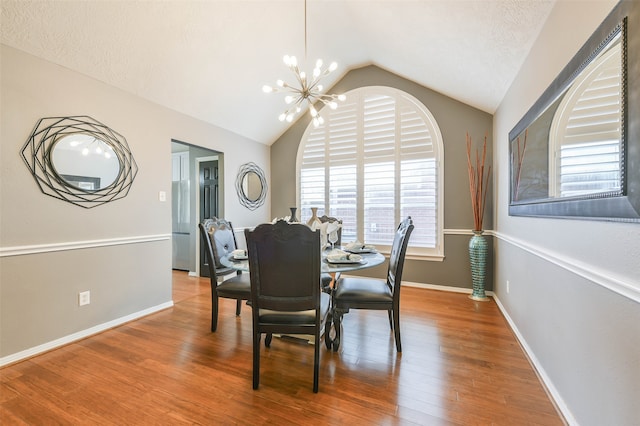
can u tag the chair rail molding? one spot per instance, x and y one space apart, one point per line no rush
77 245
598 276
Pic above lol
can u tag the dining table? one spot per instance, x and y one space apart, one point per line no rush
368 259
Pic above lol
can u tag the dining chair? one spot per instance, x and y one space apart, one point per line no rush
219 239
284 259
371 293
327 279
324 219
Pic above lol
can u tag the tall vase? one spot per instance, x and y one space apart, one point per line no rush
478 250
293 217
314 221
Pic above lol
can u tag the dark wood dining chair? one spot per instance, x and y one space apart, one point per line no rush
327 279
218 240
371 293
284 259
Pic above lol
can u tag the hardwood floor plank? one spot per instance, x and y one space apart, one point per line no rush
460 365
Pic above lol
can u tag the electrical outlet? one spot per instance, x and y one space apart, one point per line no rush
162 196
84 298
508 287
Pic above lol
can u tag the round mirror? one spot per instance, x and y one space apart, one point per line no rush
85 162
80 160
251 186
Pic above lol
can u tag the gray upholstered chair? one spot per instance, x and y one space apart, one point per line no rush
218 240
284 259
370 293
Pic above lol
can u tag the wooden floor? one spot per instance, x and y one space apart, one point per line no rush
460 365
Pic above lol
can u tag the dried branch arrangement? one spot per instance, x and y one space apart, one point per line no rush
478 182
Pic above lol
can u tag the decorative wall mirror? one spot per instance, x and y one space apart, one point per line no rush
84 161
576 153
79 160
251 186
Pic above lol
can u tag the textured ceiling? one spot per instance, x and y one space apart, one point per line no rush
210 59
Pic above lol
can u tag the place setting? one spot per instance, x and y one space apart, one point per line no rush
357 247
350 253
338 256
238 255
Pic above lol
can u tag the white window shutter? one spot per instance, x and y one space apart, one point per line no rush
374 161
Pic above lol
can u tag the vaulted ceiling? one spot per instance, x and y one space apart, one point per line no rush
210 59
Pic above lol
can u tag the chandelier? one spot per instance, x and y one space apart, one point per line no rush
309 90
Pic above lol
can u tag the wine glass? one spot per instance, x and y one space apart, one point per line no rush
333 238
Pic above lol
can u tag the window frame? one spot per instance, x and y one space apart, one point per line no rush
402 99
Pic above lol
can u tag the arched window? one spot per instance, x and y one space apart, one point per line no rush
584 151
376 159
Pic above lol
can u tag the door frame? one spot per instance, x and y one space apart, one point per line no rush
219 158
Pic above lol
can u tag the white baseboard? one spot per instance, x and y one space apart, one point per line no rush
441 287
550 388
553 393
28 353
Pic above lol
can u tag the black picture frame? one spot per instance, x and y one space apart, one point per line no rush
622 205
245 200
37 154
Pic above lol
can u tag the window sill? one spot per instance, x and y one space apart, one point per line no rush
427 257
417 256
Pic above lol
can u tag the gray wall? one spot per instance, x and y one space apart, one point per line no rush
121 251
454 119
574 285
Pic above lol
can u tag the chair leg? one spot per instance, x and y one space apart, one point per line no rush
337 324
327 330
316 360
256 360
214 313
238 307
390 319
267 340
396 328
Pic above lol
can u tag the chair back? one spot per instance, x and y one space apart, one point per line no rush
398 252
222 239
284 259
208 247
218 235
325 219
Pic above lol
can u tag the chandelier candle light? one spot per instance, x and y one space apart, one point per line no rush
309 90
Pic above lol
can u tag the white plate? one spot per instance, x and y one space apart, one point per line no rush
359 251
346 261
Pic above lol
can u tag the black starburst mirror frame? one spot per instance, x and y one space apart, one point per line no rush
37 155
243 171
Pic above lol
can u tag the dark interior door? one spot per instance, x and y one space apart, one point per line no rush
208 202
